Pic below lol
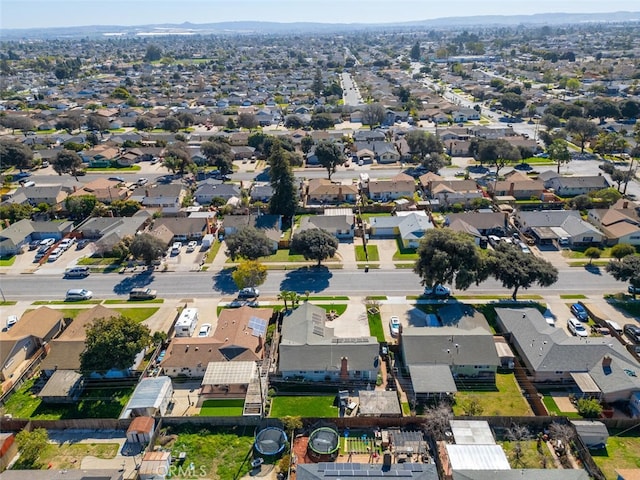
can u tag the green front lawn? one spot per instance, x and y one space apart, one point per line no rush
137 315
372 250
339 308
213 251
131 168
222 408
621 452
221 453
506 401
375 326
304 406
403 253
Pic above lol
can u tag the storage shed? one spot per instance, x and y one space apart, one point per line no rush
140 430
150 398
594 434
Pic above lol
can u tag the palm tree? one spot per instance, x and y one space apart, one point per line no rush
288 296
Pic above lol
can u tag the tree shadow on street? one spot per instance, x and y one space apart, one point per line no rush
313 279
138 280
223 282
594 269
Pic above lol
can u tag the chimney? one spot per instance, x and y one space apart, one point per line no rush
344 368
260 344
75 189
606 361
146 192
511 188
625 204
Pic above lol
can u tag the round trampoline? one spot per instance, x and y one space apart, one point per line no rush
270 441
324 443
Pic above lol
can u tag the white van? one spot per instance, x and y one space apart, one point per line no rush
78 294
186 323
77 272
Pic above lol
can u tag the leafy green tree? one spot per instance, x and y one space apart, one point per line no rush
15 154
306 144
81 206
498 153
17 122
329 156
66 161
180 152
446 256
517 269
218 153
153 54
284 200
15 211
415 52
125 208
317 85
113 343
589 408
321 121
186 119
248 121
171 124
608 195
592 253
602 109
559 153
426 148
143 123
147 247
512 102
249 243
582 130
373 114
294 122
626 270
288 296
31 444
97 122
550 121
249 273
315 244
622 250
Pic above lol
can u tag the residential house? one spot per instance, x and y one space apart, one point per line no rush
596 366
18 344
20 233
210 189
383 151
168 198
242 152
270 225
232 380
410 227
363 471
464 115
53 196
100 155
239 337
64 351
322 191
183 228
109 231
261 192
310 350
576 185
438 355
342 226
518 186
402 185
450 192
620 223
105 191
549 226
486 223
130 157
458 148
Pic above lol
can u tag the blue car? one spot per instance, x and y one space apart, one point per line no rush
580 312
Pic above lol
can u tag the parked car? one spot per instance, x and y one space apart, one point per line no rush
67 242
576 328
632 290
142 181
34 244
80 271
191 246
394 326
78 294
117 179
632 332
614 326
249 292
175 248
55 254
204 330
437 291
142 294
580 312
11 321
82 243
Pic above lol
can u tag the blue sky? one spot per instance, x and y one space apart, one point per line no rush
58 13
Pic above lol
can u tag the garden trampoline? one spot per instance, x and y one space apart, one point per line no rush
324 443
270 441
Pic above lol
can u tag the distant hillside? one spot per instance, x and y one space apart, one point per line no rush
250 27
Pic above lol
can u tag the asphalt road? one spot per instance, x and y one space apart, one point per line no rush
322 280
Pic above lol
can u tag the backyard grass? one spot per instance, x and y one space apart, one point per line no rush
506 401
137 315
403 253
406 409
215 453
7 262
553 409
304 406
68 456
621 452
372 250
375 326
530 457
105 402
222 408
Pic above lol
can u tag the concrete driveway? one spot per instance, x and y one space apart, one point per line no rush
409 315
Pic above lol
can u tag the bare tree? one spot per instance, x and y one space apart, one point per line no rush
517 434
436 420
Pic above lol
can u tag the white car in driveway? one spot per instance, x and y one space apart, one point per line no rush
191 246
204 330
576 328
394 326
